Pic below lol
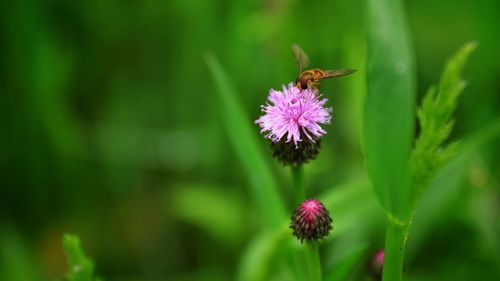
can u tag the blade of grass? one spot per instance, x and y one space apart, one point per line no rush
389 105
261 255
389 122
343 268
211 208
244 141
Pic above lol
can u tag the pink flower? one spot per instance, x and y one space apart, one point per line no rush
294 113
376 265
378 259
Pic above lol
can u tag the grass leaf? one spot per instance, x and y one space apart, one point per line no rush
261 257
345 267
211 208
243 137
389 105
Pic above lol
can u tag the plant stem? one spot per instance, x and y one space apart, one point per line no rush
298 182
311 253
314 263
395 241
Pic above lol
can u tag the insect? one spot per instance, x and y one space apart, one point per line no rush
310 78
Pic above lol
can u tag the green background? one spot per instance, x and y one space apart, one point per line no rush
111 128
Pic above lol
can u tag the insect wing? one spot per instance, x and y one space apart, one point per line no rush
338 72
301 57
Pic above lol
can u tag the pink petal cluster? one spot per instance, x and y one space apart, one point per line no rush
293 111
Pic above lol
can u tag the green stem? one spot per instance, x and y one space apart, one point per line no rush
313 262
298 182
312 252
299 191
395 241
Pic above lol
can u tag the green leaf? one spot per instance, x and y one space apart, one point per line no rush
81 267
435 120
261 255
344 267
389 105
243 137
351 205
211 208
434 206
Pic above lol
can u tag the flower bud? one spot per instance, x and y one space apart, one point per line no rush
311 221
376 265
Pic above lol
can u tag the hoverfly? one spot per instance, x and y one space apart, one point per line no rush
310 78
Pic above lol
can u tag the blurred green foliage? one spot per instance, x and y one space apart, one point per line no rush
436 122
80 267
111 128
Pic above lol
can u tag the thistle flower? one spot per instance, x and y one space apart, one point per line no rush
311 221
376 264
292 119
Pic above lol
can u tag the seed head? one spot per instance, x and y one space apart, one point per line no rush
311 221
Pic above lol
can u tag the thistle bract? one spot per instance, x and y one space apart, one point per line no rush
289 154
311 221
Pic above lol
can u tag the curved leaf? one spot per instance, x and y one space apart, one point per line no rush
244 141
389 105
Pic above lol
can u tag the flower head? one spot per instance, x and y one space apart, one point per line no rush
311 221
376 264
295 113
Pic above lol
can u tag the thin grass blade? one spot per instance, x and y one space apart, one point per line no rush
244 140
